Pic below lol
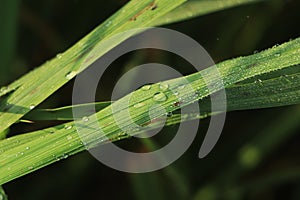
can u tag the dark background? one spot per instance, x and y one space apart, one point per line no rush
35 31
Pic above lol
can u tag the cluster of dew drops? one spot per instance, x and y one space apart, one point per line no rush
162 97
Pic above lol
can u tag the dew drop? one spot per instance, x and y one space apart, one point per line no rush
59 56
3 89
71 74
196 94
139 105
27 148
181 87
277 55
146 87
69 137
81 44
68 127
31 106
85 119
64 156
108 23
160 97
163 86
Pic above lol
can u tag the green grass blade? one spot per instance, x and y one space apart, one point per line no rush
279 88
65 142
21 139
33 88
279 91
3 196
195 8
274 92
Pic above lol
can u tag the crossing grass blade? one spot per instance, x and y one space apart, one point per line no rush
29 91
60 143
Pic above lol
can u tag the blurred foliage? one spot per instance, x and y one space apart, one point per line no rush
256 157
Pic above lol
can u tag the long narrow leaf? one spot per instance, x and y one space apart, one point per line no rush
35 87
272 91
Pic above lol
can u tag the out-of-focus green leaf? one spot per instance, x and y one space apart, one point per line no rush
195 8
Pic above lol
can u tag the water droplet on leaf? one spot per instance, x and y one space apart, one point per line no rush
68 127
163 86
146 87
69 137
139 105
277 55
64 156
3 89
160 97
31 106
181 87
71 74
85 119
108 23
59 56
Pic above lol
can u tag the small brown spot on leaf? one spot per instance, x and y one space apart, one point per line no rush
151 6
